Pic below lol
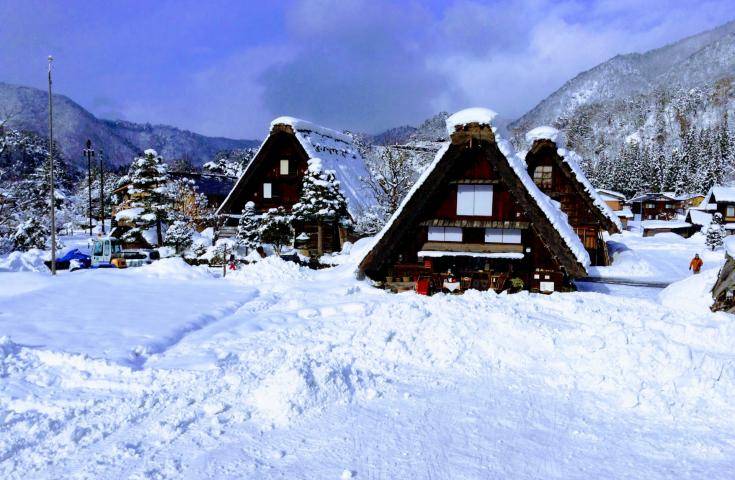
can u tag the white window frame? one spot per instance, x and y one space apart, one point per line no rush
283 167
445 234
503 235
475 200
267 190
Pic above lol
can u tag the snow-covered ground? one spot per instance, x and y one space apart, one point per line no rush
662 258
168 371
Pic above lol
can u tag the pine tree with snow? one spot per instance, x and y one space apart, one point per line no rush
32 233
247 227
321 200
179 236
716 232
275 229
150 199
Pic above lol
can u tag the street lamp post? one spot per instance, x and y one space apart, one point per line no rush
89 153
51 170
102 192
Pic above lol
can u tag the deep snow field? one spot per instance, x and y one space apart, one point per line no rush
170 371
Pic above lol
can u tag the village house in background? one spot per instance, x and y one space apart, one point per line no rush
274 178
617 203
557 173
475 219
662 205
721 199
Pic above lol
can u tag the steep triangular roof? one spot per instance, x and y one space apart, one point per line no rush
474 125
337 152
569 163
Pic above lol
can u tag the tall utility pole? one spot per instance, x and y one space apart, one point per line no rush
51 170
102 192
89 153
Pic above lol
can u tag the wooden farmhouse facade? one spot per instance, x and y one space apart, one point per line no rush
557 173
662 205
475 219
274 177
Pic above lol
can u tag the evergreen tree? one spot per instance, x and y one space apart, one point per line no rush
715 232
321 200
32 233
247 228
148 191
179 236
275 229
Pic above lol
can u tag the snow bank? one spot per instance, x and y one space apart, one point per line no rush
482 116
269 269
30 261
693 294
172 268
729 244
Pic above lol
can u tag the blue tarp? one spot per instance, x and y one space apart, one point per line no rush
83 260
74 254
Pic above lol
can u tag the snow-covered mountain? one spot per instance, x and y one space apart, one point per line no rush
121 141
688 84
692 62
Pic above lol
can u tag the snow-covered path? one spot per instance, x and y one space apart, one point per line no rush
308 374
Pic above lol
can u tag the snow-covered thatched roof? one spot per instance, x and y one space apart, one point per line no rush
550 209
336 151
573 160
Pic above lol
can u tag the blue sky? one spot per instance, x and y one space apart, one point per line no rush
227 68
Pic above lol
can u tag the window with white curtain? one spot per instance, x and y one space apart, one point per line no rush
284 167
475 200
267 190
445 234
502 235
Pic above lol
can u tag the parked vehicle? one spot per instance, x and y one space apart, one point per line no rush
107 253
138 258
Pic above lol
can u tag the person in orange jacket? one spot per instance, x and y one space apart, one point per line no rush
696 264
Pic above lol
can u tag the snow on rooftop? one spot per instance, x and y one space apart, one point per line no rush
546 132
483 116
305 125
624 213
721 194
612 194
438 253
699 217
664 224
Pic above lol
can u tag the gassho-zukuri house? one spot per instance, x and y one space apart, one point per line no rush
557 172
475 215
274 177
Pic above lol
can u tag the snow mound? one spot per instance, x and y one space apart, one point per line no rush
546 132
693 294
270 269
729 245
174 268
30 261
305 384
483 116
